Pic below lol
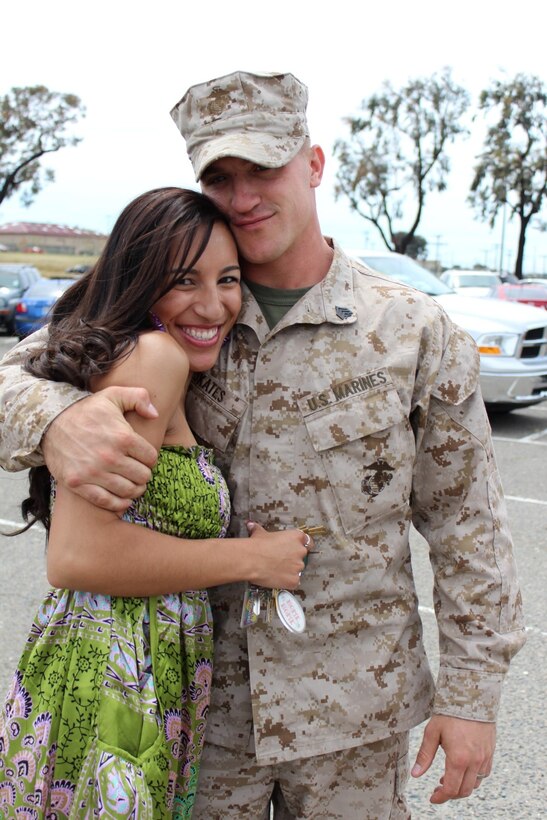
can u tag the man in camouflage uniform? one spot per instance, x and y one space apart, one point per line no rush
345 401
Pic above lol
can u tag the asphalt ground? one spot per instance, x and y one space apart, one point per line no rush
516 790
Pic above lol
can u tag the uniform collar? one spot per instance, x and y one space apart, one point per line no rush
331 300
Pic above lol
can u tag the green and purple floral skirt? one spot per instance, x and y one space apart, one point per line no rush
107 710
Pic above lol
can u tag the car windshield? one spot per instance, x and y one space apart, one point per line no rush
475 280
407 271
9 279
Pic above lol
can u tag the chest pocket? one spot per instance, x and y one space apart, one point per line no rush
213 413
366 445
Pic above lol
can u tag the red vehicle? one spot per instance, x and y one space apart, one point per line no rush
531 293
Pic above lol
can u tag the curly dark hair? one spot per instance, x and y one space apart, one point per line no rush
98 319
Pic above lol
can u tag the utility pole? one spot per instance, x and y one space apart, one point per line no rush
438 243
502 246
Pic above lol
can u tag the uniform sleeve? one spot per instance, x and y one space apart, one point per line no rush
458 507
27 407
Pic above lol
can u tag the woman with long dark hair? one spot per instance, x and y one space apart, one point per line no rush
107 710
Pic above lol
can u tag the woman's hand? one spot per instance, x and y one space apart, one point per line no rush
280 556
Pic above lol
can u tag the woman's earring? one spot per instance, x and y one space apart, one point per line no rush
157 322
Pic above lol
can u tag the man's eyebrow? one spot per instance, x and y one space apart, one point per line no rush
210 171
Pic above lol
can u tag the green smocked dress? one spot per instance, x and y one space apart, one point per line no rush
106 713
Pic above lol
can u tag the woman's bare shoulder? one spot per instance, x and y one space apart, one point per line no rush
155 356
154 343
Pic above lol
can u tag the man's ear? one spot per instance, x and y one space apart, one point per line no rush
317 165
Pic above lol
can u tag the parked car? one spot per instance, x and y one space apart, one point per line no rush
529 293
473 282
32 310
512 338
79 269
14 281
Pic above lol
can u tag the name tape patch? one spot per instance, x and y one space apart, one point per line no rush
338 391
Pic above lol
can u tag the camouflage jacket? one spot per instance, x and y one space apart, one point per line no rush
359 412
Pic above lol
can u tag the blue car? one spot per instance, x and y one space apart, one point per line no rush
15 279
32 310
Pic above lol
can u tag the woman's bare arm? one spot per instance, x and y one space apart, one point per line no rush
84 439
93 549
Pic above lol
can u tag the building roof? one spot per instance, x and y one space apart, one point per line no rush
45 229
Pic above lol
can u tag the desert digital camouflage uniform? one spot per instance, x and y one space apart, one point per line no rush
365 782
359 412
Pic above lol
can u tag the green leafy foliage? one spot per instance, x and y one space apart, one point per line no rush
512 167
34 121
397 152
416 246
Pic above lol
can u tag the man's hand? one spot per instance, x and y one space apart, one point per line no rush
94 451
469 750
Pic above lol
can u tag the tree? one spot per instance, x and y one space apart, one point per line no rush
512 169
34 122
416 247
397 152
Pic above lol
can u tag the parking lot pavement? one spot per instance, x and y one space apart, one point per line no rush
517 787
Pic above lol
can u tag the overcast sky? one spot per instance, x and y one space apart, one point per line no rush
130 62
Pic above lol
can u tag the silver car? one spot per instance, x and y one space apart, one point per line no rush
470 282
512 338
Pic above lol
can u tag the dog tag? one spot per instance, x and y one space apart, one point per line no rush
248 616
269 608
290 611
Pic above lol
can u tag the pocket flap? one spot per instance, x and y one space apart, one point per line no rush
213 412
360 407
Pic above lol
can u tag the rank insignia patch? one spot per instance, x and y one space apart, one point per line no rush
343 313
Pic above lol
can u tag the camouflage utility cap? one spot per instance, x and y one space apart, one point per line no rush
257 117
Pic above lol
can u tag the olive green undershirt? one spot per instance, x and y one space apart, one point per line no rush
275 302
